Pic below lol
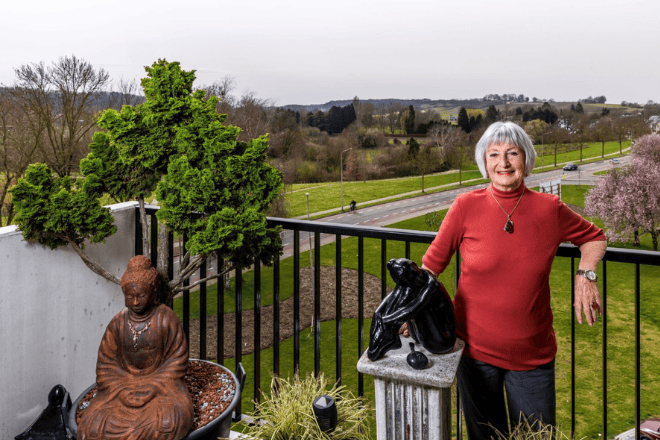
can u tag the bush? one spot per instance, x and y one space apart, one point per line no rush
287 414
308 172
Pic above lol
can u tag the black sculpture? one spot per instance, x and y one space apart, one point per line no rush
416 359
421 301
52 423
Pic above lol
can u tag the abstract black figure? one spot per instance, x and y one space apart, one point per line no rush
416 359
422 302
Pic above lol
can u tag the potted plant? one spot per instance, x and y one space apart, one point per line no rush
287 412
208 382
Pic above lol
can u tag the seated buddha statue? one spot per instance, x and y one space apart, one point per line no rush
140 369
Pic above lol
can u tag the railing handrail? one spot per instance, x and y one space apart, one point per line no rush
618 255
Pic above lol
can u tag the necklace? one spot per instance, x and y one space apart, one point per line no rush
138 333
508 226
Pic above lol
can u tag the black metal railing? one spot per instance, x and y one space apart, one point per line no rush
329 232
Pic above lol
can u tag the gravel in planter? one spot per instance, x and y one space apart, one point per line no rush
210 388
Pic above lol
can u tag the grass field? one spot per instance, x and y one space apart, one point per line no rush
593 150
327 196
620 302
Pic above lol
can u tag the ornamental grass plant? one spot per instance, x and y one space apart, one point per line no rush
531 431
286 412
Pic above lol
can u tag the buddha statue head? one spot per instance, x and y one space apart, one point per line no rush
140 284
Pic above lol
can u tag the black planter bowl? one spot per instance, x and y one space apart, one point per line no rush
218 427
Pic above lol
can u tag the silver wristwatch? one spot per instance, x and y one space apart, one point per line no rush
588 274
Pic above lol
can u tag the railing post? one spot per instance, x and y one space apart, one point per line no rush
257 331
296 301
338 318
360 310
276 316
317 304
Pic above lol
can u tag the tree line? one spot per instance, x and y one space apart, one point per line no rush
49 115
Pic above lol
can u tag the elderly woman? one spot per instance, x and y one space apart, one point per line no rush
508 236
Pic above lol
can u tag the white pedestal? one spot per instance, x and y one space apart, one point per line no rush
413 404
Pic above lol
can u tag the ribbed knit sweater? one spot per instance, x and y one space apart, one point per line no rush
503 298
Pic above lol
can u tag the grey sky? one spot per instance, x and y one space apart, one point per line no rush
309 52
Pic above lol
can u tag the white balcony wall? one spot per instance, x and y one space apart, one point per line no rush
53 312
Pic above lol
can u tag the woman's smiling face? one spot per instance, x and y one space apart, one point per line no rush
505 164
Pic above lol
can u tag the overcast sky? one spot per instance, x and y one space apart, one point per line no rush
310 52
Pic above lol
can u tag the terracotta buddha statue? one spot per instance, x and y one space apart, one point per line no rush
141 364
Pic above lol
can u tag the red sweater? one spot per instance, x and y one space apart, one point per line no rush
503 298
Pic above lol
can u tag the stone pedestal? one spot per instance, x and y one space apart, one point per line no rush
413 404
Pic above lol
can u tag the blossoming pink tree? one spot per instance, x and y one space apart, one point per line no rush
628 198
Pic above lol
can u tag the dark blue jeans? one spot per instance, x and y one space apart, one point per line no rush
482 388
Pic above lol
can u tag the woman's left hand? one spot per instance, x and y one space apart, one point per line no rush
587 300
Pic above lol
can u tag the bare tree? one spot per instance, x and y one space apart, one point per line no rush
445 137
125 92
62 96
459 156
19 140
603 131
222 89
393 110
252 114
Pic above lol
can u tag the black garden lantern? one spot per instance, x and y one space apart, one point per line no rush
325 411
52 423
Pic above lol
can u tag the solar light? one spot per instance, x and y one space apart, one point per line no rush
325 411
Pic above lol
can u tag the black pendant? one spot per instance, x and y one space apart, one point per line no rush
508 227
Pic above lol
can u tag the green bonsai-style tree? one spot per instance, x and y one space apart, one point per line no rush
211 187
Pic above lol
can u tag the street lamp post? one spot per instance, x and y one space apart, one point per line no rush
341 176
542 148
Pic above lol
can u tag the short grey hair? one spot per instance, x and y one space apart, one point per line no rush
505 133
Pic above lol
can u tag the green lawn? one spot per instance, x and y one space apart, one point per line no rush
593 150
327 196
620 301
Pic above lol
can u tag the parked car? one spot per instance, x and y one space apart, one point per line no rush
648 430
615 161
570 167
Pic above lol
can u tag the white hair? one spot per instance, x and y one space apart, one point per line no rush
505 133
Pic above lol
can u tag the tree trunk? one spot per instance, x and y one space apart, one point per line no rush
146 250
10 213
602 150
654 236
636 238
2 203
163 260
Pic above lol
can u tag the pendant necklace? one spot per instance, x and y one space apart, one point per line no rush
138 333
508 226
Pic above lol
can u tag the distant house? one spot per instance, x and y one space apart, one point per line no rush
654 121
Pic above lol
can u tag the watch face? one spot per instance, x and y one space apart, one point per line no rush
591 275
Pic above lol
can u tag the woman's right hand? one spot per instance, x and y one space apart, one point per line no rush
404 330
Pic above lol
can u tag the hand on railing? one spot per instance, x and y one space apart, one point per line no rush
587 300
